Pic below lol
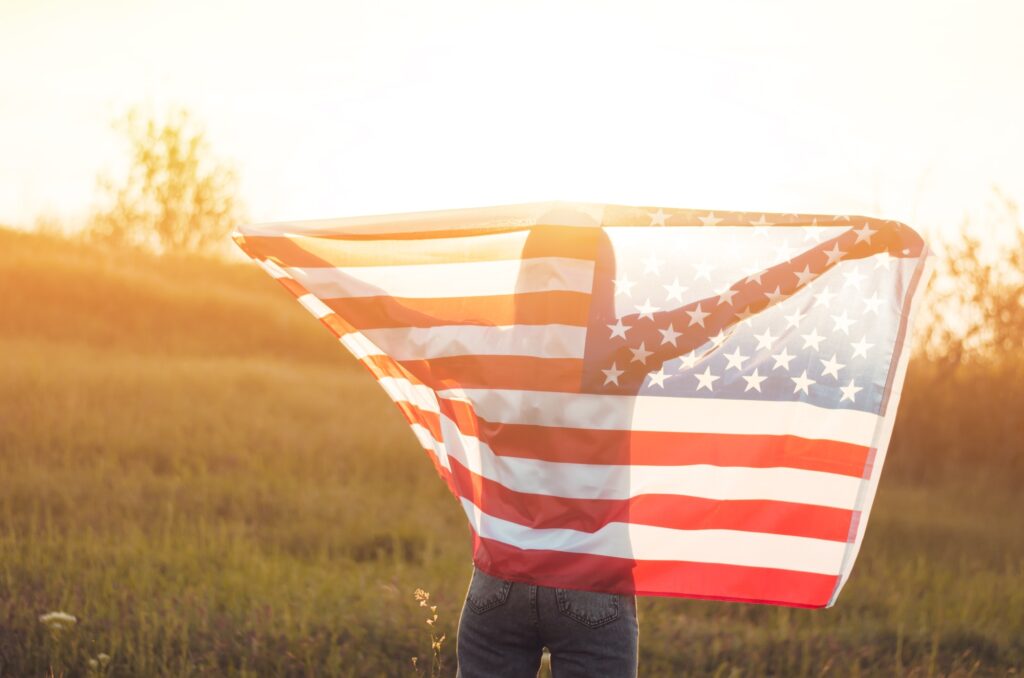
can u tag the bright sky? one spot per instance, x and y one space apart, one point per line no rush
905 110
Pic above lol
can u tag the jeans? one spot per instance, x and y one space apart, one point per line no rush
505 625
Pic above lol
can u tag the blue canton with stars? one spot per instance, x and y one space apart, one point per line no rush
830 343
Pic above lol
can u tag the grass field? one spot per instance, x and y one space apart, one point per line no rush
191 465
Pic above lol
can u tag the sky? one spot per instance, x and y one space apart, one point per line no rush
902 110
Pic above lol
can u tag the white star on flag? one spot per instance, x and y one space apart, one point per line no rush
795 318
764 340
623 285
802 383
871 305
834 255
753 381
675 291
813 232
853 278
842 322
646 310
850 391
831 367
669 335
782 359
776 296
706 380
612 375
658 218
618 329
812 340
688 361
710 220
658 378
864 234
823 298
725 295
641 354
861 348
805 276
735 359
697 316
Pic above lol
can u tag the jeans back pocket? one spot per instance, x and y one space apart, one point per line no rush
486 592
590 608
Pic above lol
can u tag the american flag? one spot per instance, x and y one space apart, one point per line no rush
633 400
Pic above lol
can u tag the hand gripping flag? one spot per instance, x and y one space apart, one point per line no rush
631 400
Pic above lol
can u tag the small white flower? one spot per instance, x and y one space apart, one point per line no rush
58 620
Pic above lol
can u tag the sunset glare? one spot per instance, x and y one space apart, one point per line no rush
909 111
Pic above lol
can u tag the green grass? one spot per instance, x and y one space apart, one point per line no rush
194 468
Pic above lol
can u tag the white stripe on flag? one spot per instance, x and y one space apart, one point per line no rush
315 306
648 542
660 413
422 343
471 278
431 445
272 269
402 390
359 345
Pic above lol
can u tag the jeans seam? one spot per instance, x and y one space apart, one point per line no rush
534 606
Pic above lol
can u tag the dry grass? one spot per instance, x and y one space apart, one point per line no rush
186 466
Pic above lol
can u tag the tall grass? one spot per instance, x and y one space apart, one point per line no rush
196 470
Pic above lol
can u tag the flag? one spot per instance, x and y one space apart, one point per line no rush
632 400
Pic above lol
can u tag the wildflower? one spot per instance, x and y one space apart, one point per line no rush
98 664
58 621
435 643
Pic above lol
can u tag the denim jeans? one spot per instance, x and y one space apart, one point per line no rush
505 625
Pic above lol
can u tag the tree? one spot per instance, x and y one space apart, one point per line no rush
976 297
176 198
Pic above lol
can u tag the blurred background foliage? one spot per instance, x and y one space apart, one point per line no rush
964 402
976 297
177 196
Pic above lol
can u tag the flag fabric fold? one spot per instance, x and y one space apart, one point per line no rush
653 401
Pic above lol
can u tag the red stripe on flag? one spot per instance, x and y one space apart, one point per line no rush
293 287
437 247
592 572
679 512
658 448
385 366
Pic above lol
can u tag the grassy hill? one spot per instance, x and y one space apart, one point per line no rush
192 465
69 292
